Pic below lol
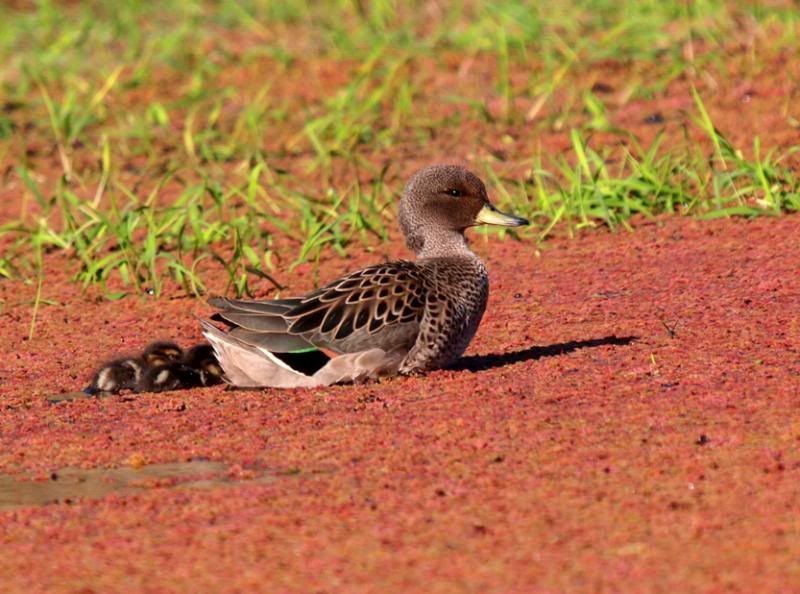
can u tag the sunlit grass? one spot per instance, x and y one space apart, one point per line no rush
171 126
585 191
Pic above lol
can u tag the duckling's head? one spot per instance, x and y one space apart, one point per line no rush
201 357
161 353
440 202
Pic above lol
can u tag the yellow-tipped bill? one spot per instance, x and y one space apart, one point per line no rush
489 215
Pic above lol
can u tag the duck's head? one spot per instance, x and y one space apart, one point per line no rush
440 202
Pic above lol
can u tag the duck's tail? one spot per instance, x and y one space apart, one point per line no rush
249 366
252 366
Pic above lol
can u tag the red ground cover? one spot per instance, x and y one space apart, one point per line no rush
625 420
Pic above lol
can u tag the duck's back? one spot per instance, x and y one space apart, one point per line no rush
379 306
426 312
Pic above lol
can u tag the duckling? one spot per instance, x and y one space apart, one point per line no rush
197 367
127 373
162 366
201 358
161 353
117 375
175 375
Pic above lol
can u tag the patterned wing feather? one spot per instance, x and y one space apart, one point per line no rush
366 301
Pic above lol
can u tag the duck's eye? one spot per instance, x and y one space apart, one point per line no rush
454 192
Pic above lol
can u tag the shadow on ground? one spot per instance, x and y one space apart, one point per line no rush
484 362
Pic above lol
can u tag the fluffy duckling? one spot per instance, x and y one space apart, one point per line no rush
117 375
127 373
161 367
197 367
172 376
201 358
161 353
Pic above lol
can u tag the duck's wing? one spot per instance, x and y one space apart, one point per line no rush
267 307
260 324
379 306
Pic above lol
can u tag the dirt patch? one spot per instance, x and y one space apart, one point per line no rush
625 418
70 484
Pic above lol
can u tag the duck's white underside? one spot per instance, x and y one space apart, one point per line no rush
248 366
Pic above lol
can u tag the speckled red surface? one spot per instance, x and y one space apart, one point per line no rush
555 460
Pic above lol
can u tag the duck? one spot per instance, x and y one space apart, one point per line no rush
399 317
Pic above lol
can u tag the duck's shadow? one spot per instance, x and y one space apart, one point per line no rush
483 362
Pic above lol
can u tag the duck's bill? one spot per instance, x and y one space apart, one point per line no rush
489 215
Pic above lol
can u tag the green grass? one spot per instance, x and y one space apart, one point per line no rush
161 143
587 192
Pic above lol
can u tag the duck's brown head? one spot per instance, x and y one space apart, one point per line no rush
440 202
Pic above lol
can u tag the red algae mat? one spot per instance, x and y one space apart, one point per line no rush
626 420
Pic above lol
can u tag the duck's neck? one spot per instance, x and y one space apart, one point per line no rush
439 244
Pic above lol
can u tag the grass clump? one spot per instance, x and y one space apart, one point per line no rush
160 143
145 241
586 191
